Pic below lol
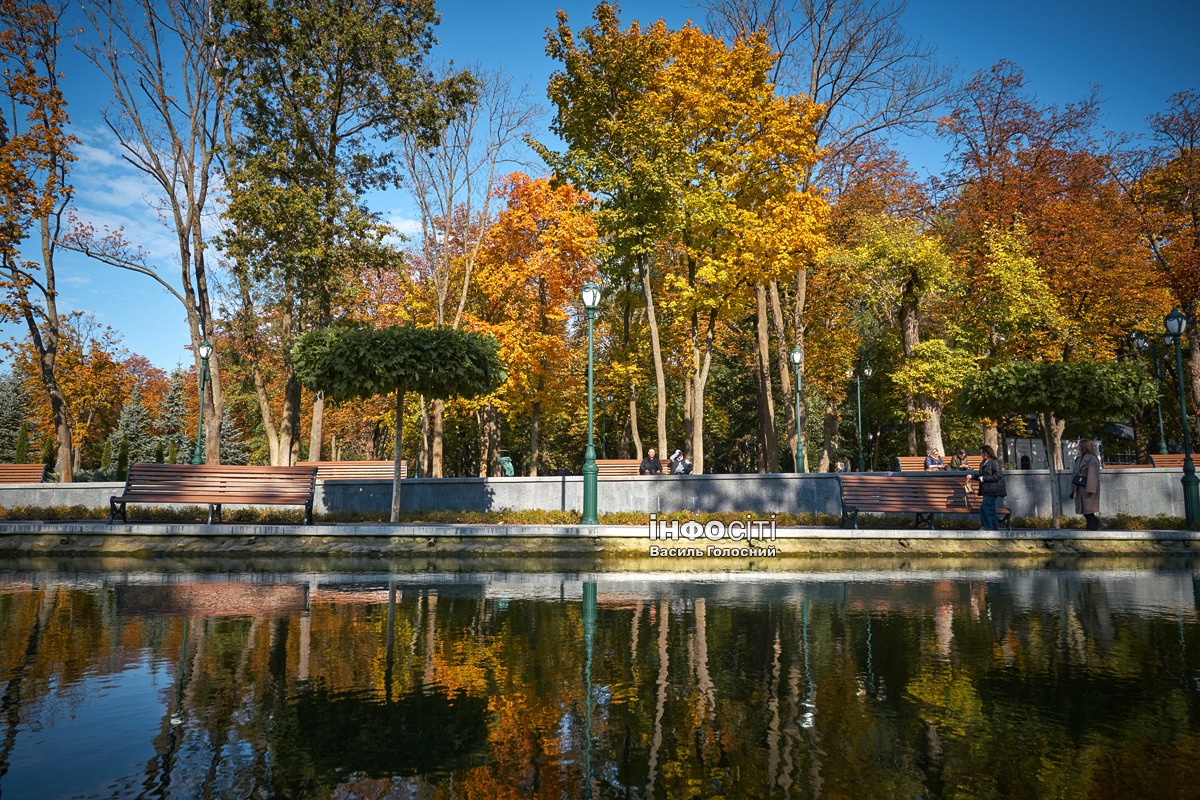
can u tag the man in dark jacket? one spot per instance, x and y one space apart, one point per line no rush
650 464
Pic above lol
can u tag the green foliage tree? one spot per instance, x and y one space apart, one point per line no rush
47 456
233 445
133 427
1091 391
321 90
172 418
347 363
123 458
106 457
14 414
21 448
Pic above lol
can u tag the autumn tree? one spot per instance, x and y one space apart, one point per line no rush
536 258
873 79
35 155
169 111
321 91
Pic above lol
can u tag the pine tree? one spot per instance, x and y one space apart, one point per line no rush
158 453
14 414
133 428
48 451
173 421
233 448
106 456
21 450
123 458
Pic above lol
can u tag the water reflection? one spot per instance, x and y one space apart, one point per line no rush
975 683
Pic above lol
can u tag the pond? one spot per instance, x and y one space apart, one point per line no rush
840 683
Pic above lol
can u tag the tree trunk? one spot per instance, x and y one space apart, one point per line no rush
660 380
489 439
289 430
701 362
933 427
315 434
437 438
768 445
784 364
910 337
632 425
425 452
535 429
397 455
830 430
991 437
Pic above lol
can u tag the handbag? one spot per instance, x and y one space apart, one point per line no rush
1079 480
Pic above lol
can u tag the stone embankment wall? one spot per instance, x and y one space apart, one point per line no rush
1137 492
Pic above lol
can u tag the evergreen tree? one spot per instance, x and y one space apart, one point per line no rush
123 458
21 451
133 429
48 452
106 456
158 453
233 448
173 421
14 414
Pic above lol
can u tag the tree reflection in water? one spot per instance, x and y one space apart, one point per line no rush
977 683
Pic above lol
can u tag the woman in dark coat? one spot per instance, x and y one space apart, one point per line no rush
1085 484
991 487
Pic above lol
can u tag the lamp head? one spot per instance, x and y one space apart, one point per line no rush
1175 322
1140 341
1168 340
590 293
205 349
867 370
797 356
608 397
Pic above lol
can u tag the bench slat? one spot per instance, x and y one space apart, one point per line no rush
22 473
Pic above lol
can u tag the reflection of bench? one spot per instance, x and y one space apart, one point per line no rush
1171 461
216 485
917 463
355 470
22 473
609 467
1129 466
924 495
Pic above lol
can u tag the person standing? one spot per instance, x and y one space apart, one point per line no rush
1085 484
991 488
650 464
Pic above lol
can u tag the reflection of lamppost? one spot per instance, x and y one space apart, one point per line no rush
589 637
1141 344
590 295
1175 324
858 376
604 426
205 350
797 361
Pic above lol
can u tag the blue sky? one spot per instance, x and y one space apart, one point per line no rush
1137 54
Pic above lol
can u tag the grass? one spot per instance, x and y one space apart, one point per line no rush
270 516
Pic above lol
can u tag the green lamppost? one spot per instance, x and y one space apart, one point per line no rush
589 637
1141 343
590 295
858 376
797 361
205 350
1175 324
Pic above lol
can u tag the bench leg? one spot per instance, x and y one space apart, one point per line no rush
214 513
924 520
115 508
308 513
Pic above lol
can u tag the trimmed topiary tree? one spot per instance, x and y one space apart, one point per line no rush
439 362
1088 390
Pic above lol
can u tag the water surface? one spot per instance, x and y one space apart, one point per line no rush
972 683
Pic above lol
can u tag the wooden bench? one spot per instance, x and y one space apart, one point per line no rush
355 470
611 467
917 463
22 473
1129 466
1170 461
216 485
925 495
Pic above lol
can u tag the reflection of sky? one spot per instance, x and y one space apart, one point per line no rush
68 750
